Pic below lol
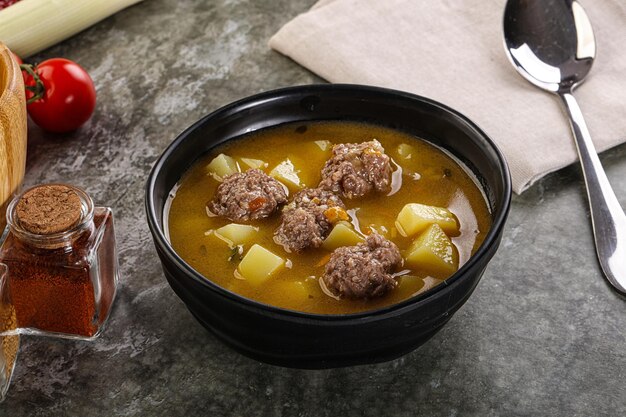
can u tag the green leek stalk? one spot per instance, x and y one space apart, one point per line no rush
30 26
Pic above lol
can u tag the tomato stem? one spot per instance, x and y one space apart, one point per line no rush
38 89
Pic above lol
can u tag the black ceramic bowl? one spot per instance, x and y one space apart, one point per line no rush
296 339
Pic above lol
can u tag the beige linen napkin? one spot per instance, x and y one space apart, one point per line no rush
452 51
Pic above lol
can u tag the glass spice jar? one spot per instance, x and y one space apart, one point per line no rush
9 339
62 262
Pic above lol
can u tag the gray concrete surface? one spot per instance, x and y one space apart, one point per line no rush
543 335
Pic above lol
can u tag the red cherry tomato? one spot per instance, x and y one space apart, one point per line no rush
6 3
61 95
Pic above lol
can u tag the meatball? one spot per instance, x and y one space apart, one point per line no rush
356 169
298 231
247 196
307 220
364 270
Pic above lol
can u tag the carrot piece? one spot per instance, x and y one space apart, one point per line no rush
335 214
257 203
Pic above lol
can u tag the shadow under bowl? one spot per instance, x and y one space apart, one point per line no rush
304 340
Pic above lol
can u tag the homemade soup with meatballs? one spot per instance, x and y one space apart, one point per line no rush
327 217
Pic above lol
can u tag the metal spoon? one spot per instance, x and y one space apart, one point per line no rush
551 44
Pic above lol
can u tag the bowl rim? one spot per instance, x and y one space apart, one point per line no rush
7 67
162 243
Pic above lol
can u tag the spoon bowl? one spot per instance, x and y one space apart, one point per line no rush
552 45
558 65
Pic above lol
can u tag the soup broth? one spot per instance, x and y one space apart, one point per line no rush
422 174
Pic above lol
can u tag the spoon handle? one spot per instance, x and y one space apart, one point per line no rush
607 217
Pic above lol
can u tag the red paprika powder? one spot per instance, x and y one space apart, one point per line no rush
61 259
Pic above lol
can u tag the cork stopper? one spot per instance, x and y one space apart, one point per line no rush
48 209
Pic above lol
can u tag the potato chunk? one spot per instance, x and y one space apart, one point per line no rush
297 291
221 166
253 163
236 234
342 235
259 264
286 173
433 251
414 218
409 284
